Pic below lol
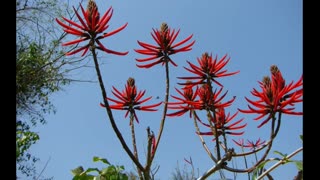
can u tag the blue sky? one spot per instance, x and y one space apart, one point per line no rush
255 34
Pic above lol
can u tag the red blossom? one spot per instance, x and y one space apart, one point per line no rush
159 53
130 100
275 96
184 103
240 142
201 99
250 144
208 70
211 100
221 120
154 144
91 28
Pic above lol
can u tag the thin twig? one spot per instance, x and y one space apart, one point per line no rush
279 163
201 138
164 111
134 144
45 166
109 112
216 167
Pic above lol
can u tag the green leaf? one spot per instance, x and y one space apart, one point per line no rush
92 169
120 168
77 171
111 170
301 137
104 171
124 177
299 165
83 176
283 155
255 173
95 159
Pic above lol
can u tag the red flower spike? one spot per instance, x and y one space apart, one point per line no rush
208 70
221 122
154 144
90 28
130 100
240 142
255 145
210 101
164 48
250 144
275 96
185 103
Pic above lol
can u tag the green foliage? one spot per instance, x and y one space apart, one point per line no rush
284 160
36 79
39 73
39 59
299 164
24 139
110 172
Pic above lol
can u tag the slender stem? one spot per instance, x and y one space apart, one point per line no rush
45 166
217 138
149 152
212 170
219 165
164 111
272 136
225 142
279 163
215 130
274 132
109 112
255 155
201 138
245 161
134 144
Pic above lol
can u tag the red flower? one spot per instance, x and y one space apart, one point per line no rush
221 122
130 100
89 29
154 144
240 142
184 103
211 100
165 47
250 144
275 96
208 70
206 101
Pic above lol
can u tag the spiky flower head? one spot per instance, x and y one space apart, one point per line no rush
131 81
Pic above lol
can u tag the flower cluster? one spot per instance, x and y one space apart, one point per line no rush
221 120
130 100
275 96
164 38
203 98
250 144
208 70
91 28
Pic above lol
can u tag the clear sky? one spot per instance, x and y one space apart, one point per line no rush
255 34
